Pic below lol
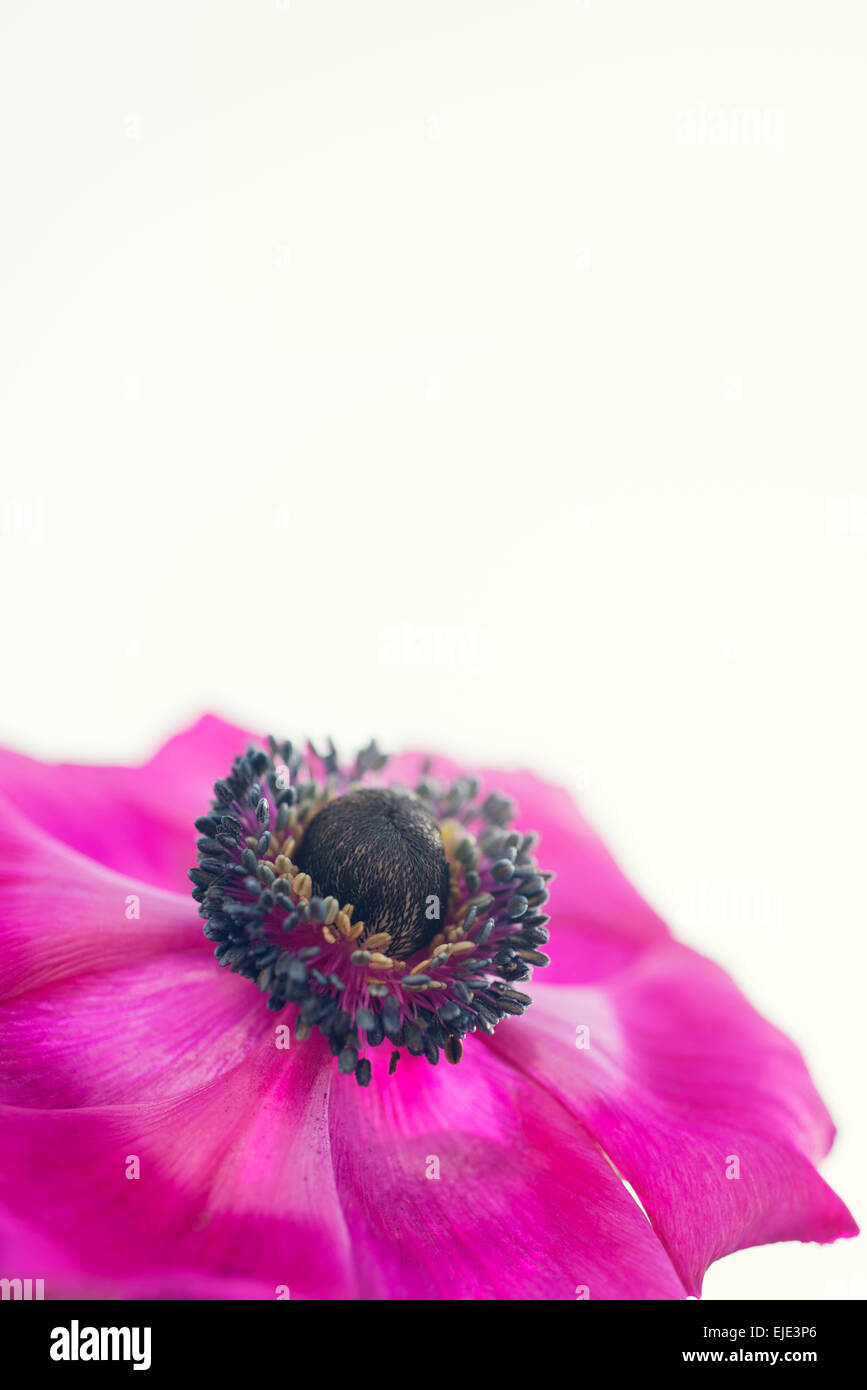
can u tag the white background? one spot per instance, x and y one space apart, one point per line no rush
483 375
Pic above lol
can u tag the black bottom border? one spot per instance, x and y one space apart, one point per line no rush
263 1338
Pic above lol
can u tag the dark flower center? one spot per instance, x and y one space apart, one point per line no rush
372 912
382 851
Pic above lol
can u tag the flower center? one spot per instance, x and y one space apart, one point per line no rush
441 901
382 851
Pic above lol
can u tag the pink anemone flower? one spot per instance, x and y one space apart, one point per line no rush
374 1097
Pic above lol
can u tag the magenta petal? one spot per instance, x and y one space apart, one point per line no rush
235 1183
704 1107
474 1183
249 1185
159 1028
24 1245
599 921
137 820
66 916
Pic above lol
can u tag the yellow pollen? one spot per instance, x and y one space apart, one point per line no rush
379 941
302 884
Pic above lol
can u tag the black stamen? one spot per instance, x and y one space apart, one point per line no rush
278 855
